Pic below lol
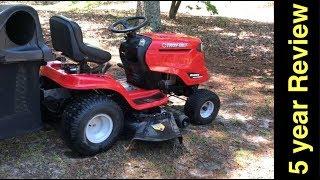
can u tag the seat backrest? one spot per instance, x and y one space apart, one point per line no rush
66 37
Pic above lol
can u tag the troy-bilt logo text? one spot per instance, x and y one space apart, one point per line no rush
174 45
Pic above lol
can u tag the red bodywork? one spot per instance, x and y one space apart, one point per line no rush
163 55
97 81
177 60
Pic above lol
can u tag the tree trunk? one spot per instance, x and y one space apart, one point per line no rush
174 9
152 12
139 8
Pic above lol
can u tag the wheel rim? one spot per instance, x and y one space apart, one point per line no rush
99 128
206 109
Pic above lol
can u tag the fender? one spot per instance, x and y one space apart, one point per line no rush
99 81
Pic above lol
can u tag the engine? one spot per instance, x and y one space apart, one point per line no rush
171 62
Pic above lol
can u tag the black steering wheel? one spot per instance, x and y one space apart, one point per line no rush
127 26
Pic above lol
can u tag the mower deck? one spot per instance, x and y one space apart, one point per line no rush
138 98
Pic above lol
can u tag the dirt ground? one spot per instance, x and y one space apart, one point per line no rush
239 144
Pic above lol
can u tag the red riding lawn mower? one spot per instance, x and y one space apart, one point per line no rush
93 107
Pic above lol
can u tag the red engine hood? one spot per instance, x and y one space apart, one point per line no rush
177 54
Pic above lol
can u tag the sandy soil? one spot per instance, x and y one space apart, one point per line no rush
239 144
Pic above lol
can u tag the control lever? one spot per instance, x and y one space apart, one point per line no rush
120 65
106 67
61 59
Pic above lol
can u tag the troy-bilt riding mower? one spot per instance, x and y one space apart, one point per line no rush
93 107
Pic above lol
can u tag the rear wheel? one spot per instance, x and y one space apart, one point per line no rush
202 107
91 124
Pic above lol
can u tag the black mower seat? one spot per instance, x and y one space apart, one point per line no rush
67 37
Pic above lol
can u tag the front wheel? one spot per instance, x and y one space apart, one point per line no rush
202 107
91 124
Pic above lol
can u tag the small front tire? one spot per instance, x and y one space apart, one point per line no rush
202 107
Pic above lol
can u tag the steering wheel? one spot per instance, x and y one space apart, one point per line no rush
127 27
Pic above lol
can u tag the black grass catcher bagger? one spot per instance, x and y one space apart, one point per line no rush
22 52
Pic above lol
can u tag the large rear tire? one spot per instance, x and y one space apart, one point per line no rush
202 107
91 124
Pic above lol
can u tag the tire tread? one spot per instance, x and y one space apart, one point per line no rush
71 118
195 101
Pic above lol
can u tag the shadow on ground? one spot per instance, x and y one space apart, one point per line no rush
208 151
239 57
